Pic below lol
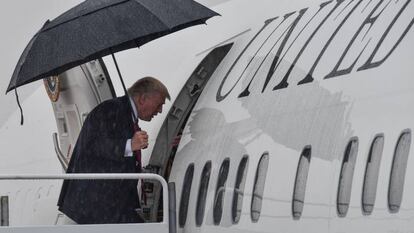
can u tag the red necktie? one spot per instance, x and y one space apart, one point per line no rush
138 164
137 153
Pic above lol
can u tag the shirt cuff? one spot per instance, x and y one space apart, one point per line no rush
128 149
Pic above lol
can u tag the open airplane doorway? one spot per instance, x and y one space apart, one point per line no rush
85 86
73 95
163 154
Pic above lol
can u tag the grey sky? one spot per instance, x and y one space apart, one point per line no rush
19 21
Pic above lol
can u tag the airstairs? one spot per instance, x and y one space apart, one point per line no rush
166 225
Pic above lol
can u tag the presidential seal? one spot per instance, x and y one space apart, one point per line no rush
52 85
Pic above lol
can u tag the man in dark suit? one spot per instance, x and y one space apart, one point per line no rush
110 143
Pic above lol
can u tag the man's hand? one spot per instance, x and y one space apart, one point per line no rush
139 141
176 140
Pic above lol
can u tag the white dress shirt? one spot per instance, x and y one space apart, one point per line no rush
128 146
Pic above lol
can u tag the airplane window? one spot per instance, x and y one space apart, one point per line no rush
399 165
258 189
220 190
345 179
369 189
185 195
202 193
4 211
239 189
300 183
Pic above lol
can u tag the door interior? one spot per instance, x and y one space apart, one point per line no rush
73 95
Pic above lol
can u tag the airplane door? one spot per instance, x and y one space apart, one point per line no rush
73 95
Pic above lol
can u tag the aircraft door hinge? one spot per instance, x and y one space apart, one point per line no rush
176 112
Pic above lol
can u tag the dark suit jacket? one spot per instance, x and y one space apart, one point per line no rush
100 149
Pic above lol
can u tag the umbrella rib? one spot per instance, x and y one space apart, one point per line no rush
77 17
81 34
200 20
155 15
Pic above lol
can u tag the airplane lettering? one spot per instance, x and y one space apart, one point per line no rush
274 65
309 76
369 64
368 21
258 41
284 82
219 96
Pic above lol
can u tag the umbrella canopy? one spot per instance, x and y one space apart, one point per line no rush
96 28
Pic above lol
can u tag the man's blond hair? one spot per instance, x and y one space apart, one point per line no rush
148 85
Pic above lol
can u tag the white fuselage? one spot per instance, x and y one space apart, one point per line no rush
299 74
345 100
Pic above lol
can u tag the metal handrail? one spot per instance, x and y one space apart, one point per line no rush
63 161
99 176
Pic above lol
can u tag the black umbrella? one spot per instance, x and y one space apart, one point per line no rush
96 28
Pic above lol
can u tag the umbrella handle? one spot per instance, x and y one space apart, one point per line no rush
123 85
20 107
119 73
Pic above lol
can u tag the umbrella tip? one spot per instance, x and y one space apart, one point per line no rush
45 24
20 107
